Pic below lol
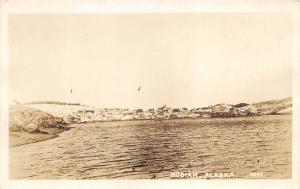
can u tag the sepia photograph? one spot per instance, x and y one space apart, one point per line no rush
153 96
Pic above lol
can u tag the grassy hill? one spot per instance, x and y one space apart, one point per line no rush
275 106
53 102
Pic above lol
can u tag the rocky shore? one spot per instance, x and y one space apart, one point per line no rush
28 125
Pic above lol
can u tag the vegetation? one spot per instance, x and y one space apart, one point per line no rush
240 105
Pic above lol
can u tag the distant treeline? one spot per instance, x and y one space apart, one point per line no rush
54 102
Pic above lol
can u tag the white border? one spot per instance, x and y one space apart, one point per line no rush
150 6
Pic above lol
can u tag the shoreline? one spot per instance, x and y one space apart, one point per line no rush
23 138
197 118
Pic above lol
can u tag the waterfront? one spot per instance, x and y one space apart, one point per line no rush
153 149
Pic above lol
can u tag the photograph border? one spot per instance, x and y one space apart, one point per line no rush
151 6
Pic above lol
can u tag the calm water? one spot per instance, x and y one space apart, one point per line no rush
142 149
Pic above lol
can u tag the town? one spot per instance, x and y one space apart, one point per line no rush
164 112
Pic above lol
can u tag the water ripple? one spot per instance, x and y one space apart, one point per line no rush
142 149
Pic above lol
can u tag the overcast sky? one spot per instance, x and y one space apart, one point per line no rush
188 60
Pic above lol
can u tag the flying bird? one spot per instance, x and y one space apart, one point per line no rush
71 91
139 88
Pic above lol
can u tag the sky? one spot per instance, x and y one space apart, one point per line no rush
182 60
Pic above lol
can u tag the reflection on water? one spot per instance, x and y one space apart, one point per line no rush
143 149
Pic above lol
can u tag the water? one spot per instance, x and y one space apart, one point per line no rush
142 149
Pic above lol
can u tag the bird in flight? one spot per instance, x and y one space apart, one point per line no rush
139 88
71 91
